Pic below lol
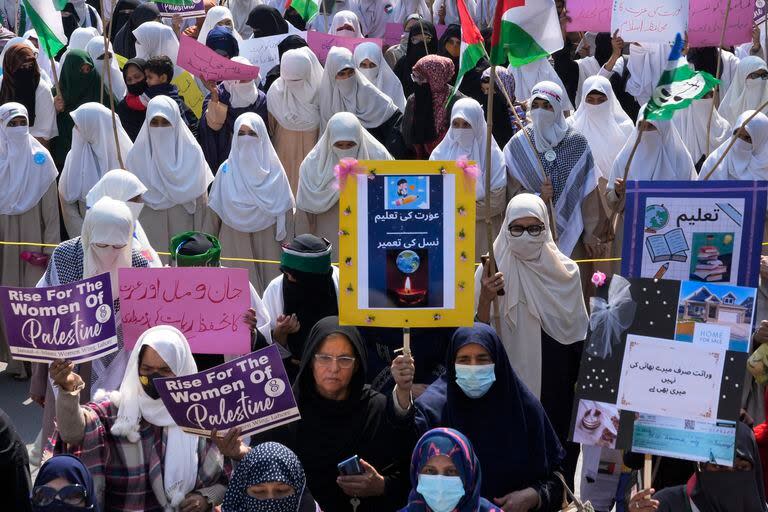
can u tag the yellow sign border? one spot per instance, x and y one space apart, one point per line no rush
463 312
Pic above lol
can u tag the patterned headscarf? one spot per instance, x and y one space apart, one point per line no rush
437 71
267 462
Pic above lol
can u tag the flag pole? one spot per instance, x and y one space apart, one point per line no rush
19 31
733 140
106 51
107 71
617 207
716 92
487 178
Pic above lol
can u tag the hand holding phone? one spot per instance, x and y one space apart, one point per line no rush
350 467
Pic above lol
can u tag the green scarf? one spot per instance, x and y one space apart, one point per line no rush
195 249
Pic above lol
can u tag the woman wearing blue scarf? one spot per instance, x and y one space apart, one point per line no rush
64 484
481 396
446 475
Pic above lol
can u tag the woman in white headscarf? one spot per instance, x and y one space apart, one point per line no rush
404 9
28 209
748 90
691 124
446 12
79 40
95 49
748 158
294 116
169 161
93 153
317 197
218 16
153 38
345 24
121 185
136 430
370 63
466 138
343 89
251 201
526 77
646 63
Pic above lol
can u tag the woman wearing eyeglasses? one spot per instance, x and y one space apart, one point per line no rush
64 484
541 310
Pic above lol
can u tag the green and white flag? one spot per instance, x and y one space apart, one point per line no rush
46 21
307 9
525 31
678 86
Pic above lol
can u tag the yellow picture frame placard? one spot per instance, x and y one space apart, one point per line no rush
434 235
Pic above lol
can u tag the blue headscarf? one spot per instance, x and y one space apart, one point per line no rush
449 442
510 431
71 469
267 462
221 38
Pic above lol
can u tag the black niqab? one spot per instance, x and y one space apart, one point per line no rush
414 52
266 21
124 41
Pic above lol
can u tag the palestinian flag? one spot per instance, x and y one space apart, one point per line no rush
472 47
307 9
524 31
678 86
46 21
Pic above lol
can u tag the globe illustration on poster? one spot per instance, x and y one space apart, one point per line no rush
408 262
656 217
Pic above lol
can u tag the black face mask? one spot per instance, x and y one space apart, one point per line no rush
148 384
24 74
138 88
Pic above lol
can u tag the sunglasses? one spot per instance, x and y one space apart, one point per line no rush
535 230
74 495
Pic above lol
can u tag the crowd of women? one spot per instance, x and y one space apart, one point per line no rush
474 419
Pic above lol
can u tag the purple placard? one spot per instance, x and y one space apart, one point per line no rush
252 393
193 10
74 321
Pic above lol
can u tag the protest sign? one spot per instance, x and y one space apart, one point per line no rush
663 367
252 393
262 51
705 25
394 31
203 62
74 321
649 21
589 15
191 93
715 238
191 9
406 244
321 43
206 304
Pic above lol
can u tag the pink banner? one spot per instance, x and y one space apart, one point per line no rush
321 43
705 22
394 31
206 304
590 15
203 62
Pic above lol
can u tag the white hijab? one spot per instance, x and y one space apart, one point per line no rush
382 75
317 192
470 143
691 124
242 94
215 16
342 18
401 9
168 160
526 77
26 168
355 94
744 161
121 185
180 465
80 38
646 63
605 126
251 190
95 49
292 98
108 222
549 128
744 94
93 150
154 38
661 155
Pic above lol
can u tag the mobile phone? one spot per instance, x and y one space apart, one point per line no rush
350 467
483 259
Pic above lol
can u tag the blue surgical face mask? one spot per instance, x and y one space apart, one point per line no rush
442 493
475 379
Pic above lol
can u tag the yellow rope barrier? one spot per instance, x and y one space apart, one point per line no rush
273 262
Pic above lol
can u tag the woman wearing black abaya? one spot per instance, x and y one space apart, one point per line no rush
120 16
266 21
15 483
342 417
124 42
450 46
422 41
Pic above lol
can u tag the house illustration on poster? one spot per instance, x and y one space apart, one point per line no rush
705 306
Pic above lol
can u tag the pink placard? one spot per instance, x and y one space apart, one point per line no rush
393 32
321 43
206 304
203 62
705 22
590 15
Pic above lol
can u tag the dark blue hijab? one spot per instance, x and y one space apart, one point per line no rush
222 38
510 431
453 444
71 469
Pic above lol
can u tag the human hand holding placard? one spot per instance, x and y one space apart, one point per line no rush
205 63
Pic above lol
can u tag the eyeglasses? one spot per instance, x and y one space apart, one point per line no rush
535 230
345 362
74 495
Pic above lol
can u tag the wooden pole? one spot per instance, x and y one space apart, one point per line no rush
647 471
53 71
19 30
423 36
733 140
487 178
616 208
716 94
108 72
105 63
407 341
